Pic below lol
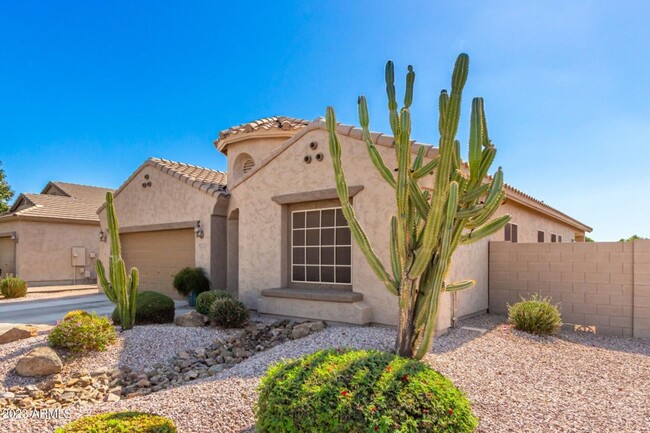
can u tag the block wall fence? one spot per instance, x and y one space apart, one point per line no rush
602 287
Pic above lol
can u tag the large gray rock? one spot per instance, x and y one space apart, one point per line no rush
300 331
42 361
192 318
18 333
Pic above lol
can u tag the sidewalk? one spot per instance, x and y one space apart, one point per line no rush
49 311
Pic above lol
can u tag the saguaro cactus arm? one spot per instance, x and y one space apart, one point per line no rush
428 225
342 190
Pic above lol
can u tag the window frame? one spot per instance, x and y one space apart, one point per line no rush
508 233
291 282
553 238
543 233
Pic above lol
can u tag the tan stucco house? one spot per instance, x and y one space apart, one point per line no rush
276 237
289 250
51 238
170 216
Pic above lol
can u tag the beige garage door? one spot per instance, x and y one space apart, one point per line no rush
7 256
158 256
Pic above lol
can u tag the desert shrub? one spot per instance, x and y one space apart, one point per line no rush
81 332
360 391
535 315
13 287
206 299
120 422
229 313
150 308
191 280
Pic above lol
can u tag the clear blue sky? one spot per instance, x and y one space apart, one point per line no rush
89 90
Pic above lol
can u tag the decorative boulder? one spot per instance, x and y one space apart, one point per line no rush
300 331
192 318
18 333
42 361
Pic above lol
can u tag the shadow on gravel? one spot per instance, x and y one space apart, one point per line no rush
640 346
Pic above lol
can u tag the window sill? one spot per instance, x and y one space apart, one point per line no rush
328 295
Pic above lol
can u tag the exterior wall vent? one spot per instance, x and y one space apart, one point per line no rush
248 165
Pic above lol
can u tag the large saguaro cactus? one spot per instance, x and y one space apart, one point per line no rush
120 288
429 225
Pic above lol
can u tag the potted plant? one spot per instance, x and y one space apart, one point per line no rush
190 282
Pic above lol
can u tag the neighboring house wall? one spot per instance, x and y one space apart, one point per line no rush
604 286
263 236
44 251
167 204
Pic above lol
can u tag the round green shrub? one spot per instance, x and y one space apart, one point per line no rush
229 313
191 280
120 422
151 308
81 332
13 287
360 391
535 315
206 299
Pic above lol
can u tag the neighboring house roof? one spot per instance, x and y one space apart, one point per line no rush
86 193
284 124
207 180
385 140
60 201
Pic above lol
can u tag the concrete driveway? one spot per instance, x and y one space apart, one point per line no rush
48 311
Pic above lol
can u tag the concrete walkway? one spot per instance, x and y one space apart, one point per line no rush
54 289
48 311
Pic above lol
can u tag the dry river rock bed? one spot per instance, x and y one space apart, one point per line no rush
516 382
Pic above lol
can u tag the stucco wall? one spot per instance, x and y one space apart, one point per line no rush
44 251
166 201
261 243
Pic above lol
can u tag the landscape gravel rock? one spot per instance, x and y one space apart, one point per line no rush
516 382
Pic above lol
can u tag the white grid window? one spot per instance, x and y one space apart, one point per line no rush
321 247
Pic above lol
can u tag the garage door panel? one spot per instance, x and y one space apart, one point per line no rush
7 256
159 256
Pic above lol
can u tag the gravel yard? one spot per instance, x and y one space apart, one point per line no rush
517 383
138 348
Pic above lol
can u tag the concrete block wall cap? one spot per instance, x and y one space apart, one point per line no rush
375 136
344 129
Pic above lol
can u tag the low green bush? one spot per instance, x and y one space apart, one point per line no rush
151 308
120 422
229 313
191 280
206 299
13 287
359 391
535 315
81 332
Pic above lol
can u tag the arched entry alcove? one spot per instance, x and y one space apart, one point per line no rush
219 243
233 252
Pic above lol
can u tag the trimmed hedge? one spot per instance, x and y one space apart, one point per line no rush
535 315
120 422
205 300
191 280
229 313
360 391
151 308
13 287
82 332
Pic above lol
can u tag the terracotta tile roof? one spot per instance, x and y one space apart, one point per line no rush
207 180
282 123
201 178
